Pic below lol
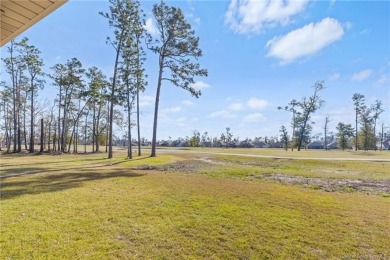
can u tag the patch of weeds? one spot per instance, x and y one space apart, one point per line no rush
313 187
347 189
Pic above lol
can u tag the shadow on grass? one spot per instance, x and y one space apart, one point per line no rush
130 160
52 182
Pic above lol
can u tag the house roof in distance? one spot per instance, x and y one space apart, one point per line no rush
17 16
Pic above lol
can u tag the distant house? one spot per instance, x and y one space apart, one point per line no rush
315 145
183 143
277 144
218 144
206 144
332 145
245 144
385 144
162 143
260 144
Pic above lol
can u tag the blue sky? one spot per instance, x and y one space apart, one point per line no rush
259 54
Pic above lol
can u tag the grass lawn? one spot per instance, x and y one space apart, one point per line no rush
86 206
312 153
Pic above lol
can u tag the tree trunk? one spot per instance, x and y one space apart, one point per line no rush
382 137
71 139
24 124
85 133
42 144
98 132
356 130
129 147
19 138
55 136
19 123
14 86
326 129
108 120
375 134
76 137
59 120
32 119
138 125
112 97
14 114
97 144
6 125
293 133
301 134
63 134
93 127
154 140
118 50
49 137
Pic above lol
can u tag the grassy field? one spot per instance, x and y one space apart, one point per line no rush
313 153
188 205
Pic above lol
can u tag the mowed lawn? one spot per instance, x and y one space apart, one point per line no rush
309 153
85 206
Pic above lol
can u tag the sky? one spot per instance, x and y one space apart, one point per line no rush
259 55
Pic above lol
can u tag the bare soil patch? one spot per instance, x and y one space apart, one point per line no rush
205 164
369 186
183 166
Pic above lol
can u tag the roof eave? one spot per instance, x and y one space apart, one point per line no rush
33 21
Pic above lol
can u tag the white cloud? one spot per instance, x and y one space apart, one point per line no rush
222 114
253 118
251 16
383 79
361 75
305 41
181 119
348 25
187 102
255 103
150 27
236 107
197 20
199 85
193 17
365 31
172 110
334 76
146 100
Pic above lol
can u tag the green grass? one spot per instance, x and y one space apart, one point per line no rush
89 207
244 166
312 153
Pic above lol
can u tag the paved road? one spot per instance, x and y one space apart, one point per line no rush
274 157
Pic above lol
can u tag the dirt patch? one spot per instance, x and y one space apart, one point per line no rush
210 161
204 164
339 171
349 185
184 166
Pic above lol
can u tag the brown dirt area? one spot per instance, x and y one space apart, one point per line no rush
326 184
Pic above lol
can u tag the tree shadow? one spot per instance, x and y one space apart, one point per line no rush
52 182
130 160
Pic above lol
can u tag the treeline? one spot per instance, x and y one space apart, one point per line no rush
342 137
89 103
363 136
